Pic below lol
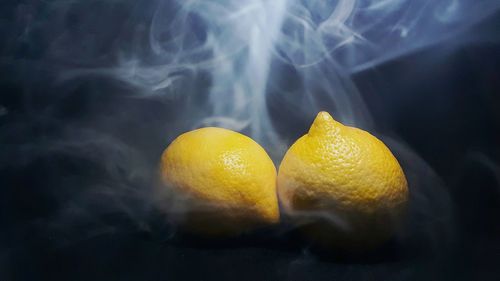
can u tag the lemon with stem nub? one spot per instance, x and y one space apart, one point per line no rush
219 182
343 185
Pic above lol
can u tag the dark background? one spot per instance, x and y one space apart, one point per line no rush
76 157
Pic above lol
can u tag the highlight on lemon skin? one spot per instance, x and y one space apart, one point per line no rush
218 183
343 186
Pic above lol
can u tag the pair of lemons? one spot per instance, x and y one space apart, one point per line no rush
340 184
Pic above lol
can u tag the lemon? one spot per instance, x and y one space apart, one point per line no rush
220 182
344 185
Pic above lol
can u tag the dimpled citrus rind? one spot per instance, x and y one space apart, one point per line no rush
344 184
221 182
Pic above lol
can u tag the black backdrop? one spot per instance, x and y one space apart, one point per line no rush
443 101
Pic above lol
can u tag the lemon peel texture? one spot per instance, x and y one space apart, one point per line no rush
219 182
343 186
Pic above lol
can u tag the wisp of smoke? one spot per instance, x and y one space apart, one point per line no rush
236 42
234 46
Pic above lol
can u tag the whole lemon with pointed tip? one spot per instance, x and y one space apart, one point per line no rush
219 182
343 185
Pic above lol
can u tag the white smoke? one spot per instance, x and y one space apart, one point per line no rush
304 52
237 41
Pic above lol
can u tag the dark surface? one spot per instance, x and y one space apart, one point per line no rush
76 159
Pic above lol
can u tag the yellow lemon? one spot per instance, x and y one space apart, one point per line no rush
220 182
344 185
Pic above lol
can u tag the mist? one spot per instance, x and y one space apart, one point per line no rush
236 43
107 85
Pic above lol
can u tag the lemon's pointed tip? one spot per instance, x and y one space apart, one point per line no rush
323 116
322 123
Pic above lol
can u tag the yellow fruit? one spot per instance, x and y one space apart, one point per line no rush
219 182
343 185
